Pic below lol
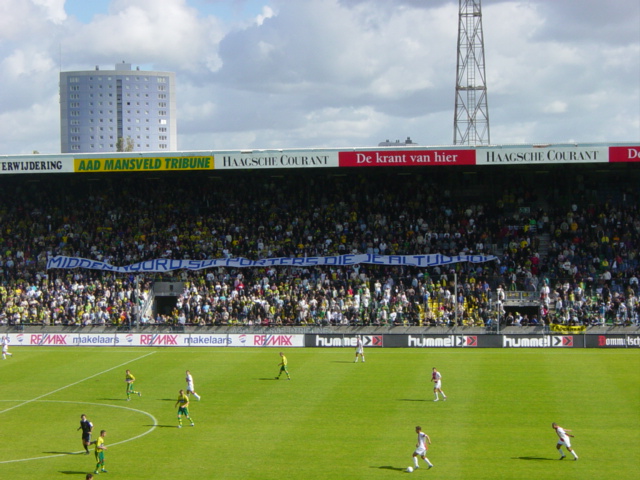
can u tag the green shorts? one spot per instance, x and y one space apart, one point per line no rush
183 411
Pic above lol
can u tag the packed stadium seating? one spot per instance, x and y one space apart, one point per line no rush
572 245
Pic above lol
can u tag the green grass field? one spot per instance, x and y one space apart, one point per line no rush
334 420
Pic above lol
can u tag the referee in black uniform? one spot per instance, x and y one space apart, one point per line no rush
87 428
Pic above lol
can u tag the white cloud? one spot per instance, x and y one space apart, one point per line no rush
54 10
267 12
334 72
556 106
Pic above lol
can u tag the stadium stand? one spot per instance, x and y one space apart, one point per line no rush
566 241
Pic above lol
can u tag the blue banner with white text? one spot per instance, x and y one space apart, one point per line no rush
168 265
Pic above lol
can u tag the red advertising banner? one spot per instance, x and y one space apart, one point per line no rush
624 154
406 158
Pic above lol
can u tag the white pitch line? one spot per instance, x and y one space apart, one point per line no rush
153 427
75 383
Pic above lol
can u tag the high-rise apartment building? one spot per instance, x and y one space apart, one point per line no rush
117 110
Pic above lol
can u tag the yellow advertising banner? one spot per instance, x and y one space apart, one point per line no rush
142 164
567 329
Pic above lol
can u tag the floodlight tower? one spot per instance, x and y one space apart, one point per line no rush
471 121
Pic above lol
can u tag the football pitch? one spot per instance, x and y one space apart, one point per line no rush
335 419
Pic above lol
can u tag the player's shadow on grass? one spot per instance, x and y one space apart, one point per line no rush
531 458
64 453
114 399
270 378
167 399
343 361
389 467
72 472
412 400
162 426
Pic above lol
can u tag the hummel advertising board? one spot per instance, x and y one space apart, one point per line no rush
337 340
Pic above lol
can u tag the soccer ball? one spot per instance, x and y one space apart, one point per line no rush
409 469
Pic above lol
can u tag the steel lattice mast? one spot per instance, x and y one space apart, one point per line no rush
471 122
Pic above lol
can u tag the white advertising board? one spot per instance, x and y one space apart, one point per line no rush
156 340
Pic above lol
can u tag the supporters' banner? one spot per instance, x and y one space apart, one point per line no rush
568 329
167 265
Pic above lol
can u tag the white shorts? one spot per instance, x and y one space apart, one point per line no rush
437 384
190 387
566 442
420 451
359 351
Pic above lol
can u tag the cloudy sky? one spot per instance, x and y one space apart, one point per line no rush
330 73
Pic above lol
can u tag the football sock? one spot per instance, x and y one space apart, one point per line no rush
575 455
428 462
415 461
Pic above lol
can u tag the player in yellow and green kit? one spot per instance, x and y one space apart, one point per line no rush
100 448
283 367
129 378
183 408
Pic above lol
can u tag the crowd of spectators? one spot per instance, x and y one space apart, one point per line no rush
574 251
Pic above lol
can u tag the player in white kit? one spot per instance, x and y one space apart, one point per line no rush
421 448
5 348
436 378
563 439
190 388
359 348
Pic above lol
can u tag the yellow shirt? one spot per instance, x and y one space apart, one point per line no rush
183 400
100 444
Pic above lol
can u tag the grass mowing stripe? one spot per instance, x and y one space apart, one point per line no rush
154 421
336 419
74 383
